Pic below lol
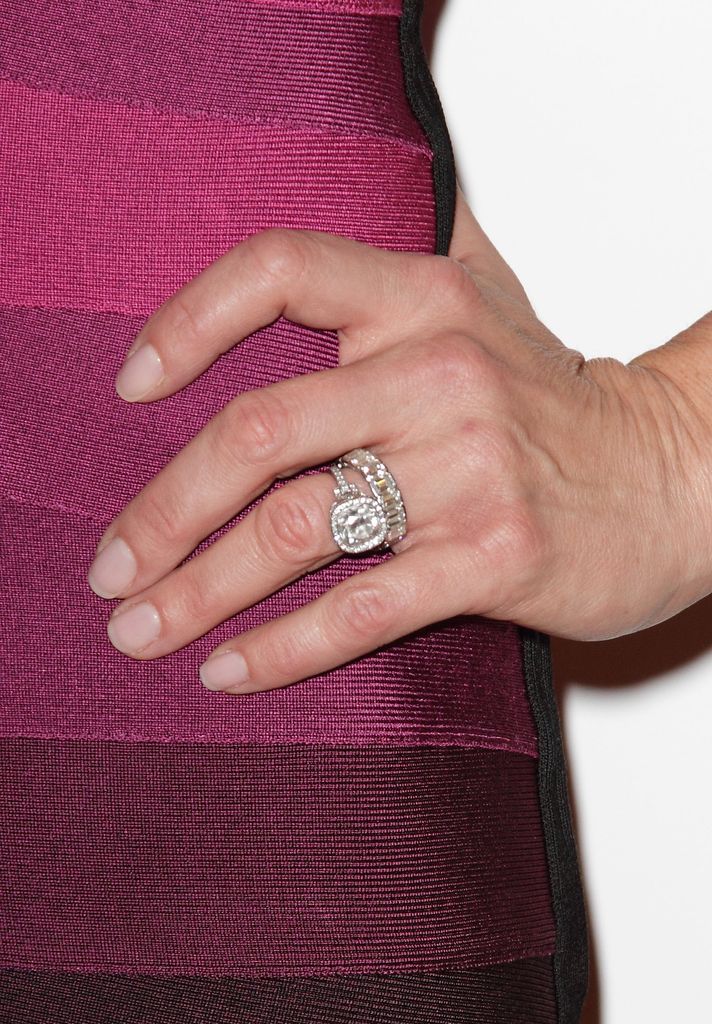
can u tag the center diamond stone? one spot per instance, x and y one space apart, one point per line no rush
358 523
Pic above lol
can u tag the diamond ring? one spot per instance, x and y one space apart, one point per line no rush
362 522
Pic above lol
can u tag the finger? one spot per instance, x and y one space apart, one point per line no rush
293 424
286 535
315 278
372 608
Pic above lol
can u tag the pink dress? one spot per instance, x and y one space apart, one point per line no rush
387 842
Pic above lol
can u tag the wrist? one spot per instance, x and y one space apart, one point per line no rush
686 362
676 379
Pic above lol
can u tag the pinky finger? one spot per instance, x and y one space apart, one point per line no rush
416 587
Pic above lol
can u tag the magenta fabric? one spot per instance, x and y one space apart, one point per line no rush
318 71
338 6
454 682
139 857
392 7
383 818
112 208
170 193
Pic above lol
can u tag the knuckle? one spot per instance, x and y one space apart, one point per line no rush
181 318
493 448
454 285
255 428
364 610
164 515
290 526
194 599
277 657
527 540
278 253
511 553
520 542
452 363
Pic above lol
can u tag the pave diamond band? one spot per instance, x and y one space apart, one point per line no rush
360 522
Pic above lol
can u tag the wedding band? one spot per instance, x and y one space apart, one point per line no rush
383 487
360 522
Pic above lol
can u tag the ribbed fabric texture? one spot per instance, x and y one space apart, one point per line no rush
111 207
457 682
229 60
513 993
270 859
364 845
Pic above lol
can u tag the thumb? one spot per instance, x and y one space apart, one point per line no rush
470 246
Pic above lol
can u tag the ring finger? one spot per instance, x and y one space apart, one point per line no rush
286 535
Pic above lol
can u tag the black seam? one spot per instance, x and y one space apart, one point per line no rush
571 953
571 949
425 104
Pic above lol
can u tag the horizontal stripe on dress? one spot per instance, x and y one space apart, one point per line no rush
255 861
520 992
387 7
109 207
228 59
459 681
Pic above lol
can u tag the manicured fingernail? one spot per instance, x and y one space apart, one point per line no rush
132 630
112 569
140 373
224 670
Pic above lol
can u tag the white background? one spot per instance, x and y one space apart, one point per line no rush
583 139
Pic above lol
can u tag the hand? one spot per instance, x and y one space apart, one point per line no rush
540 487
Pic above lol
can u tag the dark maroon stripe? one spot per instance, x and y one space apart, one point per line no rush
220 58
520 992
253 861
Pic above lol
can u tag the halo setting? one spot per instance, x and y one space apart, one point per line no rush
358 523
366 522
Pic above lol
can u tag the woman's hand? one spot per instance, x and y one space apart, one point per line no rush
541 488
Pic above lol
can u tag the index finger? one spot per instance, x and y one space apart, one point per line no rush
322 280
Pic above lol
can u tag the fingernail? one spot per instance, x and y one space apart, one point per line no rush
112 569
140 373
223 670
132 630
